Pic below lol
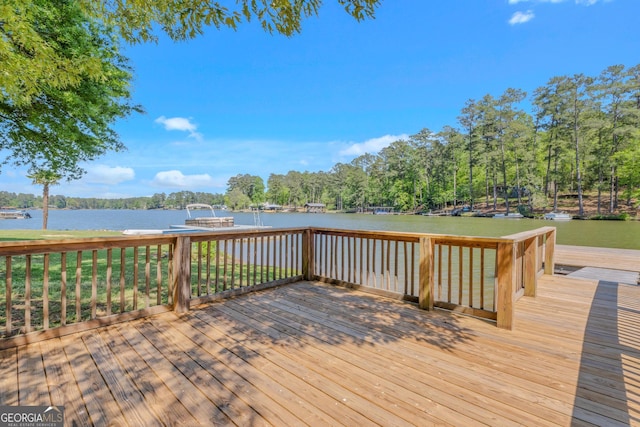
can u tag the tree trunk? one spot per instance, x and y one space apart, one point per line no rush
546 177
504 177
578 176
612 191
45 205
600 178
555 181
495 188
455 186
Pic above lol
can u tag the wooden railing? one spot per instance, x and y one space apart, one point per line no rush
476 275
50 288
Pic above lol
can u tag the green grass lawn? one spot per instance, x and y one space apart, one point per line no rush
16 235
132 284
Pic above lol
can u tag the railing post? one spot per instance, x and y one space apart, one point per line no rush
182 274
504 282
550 247
425 297
307 254
530 274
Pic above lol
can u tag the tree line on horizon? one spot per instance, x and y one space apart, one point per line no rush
583 134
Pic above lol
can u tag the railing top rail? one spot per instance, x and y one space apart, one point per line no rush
415 237
524 235
64 245
222 235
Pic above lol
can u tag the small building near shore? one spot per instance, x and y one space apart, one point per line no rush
315 207
271 207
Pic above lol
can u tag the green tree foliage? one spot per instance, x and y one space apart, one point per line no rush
250 186
63 125
177 200
31 59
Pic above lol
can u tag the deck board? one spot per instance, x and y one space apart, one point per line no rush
314 354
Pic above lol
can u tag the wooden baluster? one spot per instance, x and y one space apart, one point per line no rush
45 292
135 278
147 277
63 288
159 274
94 283
8 294
471 277
27 295
78 286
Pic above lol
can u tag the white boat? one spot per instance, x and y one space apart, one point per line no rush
208 222
14 214
511 215
557 216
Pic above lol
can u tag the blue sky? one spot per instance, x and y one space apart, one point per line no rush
247 102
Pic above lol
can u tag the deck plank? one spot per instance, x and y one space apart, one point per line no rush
33 391
126 394
263 374
9 376
335 400
242 381
360 390
157 395
155 353
100 403
229 403
61 382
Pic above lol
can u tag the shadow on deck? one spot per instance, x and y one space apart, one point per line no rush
610 355
315 354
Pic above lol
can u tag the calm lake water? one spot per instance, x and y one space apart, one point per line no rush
615 234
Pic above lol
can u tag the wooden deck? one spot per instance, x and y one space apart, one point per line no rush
314 354
585 256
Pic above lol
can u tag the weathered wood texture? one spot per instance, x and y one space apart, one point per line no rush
314 354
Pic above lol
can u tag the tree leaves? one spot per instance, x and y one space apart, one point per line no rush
63 125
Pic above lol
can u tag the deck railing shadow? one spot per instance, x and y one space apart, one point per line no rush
614 321
52 288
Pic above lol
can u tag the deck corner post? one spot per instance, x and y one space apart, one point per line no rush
307 254
550 247
425 296
182 274
505 281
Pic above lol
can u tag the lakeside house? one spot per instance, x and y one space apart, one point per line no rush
315 207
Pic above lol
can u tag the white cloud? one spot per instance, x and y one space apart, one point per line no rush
181 124
176 179
521 17
371 146
102 174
